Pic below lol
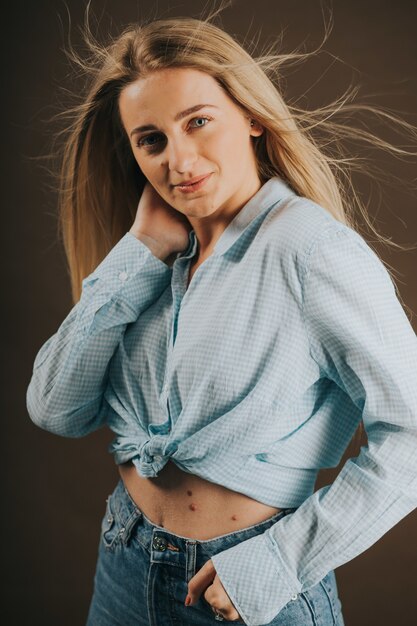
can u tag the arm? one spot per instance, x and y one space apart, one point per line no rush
66 392
361 338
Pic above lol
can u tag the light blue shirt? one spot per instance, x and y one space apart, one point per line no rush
255 378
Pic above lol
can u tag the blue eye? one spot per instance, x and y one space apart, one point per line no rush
200 118
142 141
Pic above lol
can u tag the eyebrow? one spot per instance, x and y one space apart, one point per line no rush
179 116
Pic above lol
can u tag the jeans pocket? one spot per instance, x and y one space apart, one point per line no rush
110 526
321 602
329 585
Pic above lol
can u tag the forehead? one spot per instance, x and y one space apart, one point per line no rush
168 91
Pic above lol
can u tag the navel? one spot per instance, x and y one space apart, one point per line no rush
192 506
189 492
234 516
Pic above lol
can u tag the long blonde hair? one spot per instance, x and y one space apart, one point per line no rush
99 181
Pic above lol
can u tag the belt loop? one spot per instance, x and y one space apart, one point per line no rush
190 558
126 529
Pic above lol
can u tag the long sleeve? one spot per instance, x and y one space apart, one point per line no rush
361 339
66 392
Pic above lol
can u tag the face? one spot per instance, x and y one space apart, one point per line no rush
216 139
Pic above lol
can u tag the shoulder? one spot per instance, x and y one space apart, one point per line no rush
295 224
301 230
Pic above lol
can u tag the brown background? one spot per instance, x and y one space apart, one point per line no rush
55 488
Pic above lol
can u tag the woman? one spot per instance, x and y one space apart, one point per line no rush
232 328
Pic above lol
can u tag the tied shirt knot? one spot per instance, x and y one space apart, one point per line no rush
153 455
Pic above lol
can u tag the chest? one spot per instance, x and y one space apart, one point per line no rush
221 322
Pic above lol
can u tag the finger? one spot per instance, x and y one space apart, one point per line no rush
200 581
219 599
230 613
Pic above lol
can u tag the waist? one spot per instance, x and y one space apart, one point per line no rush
189 505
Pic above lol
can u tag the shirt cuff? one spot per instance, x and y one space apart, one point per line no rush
255 579
126 257
128 280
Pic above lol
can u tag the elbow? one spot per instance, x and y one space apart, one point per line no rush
35 408
56 423
59 421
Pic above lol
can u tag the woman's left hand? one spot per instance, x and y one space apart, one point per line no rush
215 594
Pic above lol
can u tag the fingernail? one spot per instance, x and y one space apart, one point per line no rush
187 600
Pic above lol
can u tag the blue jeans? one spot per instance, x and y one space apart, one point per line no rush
143 569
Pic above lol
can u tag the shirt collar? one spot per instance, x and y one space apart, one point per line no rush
271 192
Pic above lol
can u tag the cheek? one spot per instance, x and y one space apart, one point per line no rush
231 142
145 165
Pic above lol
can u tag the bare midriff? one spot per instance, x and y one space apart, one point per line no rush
189 505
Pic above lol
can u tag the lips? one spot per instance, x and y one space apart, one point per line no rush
192 180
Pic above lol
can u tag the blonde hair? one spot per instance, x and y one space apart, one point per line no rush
99 181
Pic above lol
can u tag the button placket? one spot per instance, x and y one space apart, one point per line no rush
190 559
177 294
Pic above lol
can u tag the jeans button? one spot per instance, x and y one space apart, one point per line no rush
159 543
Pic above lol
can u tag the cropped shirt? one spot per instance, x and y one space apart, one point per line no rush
254 377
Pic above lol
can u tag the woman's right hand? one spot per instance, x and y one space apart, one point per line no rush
161 227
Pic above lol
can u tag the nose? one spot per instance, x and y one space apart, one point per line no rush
181 154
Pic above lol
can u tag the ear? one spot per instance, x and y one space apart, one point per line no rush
255 128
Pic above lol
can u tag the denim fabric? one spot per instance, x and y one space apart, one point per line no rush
143 569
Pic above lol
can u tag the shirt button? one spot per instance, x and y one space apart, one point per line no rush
123 276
